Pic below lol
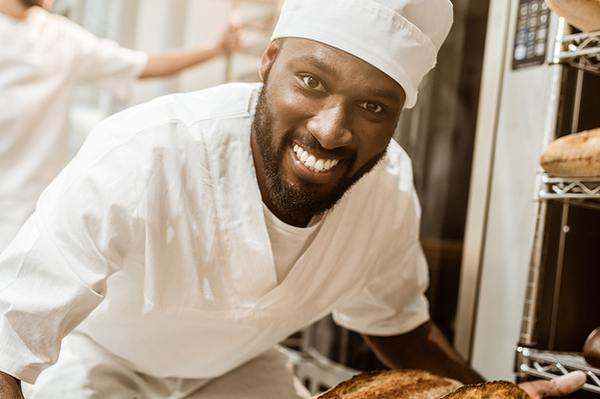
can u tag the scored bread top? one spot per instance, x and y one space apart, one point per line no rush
489 390
394 384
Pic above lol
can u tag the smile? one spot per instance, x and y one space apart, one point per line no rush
313 163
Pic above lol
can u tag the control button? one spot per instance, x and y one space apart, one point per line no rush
533 22
543 19
533 7
524 10
542 33
540 49
520 52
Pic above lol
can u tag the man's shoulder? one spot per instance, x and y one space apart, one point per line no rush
382 196
225 101
394 173
185 109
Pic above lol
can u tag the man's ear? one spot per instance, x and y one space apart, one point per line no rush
268 58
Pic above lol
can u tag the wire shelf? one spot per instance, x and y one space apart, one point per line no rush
569 187
580 50
548 364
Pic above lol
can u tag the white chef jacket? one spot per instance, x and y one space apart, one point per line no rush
41 60
157 228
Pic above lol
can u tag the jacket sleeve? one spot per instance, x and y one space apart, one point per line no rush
54 272
103 61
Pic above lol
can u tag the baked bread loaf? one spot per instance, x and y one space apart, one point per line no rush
591 348
489 390
582 14
396 384
576 155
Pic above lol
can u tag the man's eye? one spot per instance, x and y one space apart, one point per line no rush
372 107
312 83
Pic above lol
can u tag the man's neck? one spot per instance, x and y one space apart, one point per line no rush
14 9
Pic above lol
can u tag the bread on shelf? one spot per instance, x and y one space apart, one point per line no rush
582 14
574 155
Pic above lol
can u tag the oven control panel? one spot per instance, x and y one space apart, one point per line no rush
531 38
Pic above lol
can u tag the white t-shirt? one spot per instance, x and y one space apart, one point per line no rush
41 60
155 236
287 242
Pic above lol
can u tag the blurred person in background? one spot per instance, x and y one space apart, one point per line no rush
43 56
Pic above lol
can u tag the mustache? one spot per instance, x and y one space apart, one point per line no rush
311 144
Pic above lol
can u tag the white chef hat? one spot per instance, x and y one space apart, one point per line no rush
399 37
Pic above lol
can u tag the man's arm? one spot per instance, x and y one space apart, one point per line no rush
424 348
10 387
173 61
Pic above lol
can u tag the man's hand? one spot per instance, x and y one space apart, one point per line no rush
559 386
9 387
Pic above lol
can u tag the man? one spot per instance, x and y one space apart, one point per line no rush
42 57
193 233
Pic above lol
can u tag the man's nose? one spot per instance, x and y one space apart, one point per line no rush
330 127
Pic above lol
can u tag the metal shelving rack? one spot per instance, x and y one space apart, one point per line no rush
569 188
547 364
581 51
540 363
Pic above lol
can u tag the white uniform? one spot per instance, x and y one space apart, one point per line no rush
41 59
158 226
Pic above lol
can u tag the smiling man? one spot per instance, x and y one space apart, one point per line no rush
193 233
335 116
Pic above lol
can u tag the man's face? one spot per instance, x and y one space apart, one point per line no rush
324 119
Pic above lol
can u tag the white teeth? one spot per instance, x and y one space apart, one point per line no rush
311 162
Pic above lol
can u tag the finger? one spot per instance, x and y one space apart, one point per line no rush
567 383
557 386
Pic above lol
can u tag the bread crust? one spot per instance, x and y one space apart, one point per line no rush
394 384
574 155
582 14
489 390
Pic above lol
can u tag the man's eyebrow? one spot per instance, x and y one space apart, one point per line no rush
386 94
317 63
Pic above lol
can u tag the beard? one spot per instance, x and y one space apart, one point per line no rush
305 200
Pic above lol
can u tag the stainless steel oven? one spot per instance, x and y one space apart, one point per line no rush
530 266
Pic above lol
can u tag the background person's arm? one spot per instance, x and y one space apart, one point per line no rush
174 61
10 387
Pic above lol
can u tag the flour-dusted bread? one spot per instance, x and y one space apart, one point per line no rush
489 390
575 155
397 384
582 14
